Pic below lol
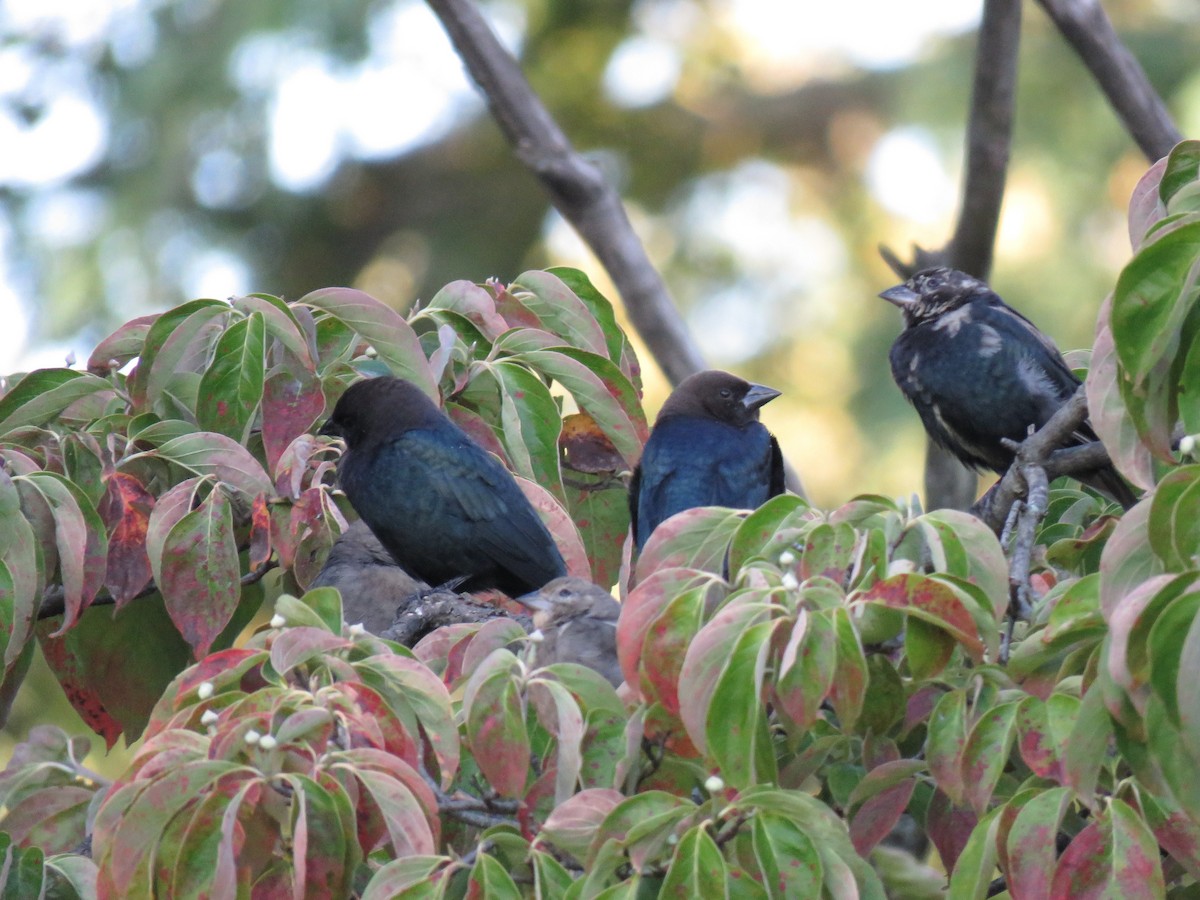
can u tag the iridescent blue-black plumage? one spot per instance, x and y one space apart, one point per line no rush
440 504
707 448
978 371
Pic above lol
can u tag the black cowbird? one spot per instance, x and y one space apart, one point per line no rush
978 371
371 584
444 508
707 448
577 621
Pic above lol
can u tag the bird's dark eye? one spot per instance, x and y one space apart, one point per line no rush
933 283
564 593
726 393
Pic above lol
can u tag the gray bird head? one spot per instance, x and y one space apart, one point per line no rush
718 395
569 598
932 293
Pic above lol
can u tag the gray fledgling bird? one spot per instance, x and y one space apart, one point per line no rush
371 584
578 624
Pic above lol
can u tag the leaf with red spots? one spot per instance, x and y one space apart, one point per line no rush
879 800
934 601
260 532
737 731
40 396
986 754
806 667
80 538
949 828
849 687
231 388
198 573
495 718
1044 728
208 453
291 403
695 538
21 588
1115 856
1031 843
472 302
561 528
125 509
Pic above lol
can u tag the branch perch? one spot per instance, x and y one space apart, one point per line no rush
576 187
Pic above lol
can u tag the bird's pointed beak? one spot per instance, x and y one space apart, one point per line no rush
759 395
901 295
329 429
534 601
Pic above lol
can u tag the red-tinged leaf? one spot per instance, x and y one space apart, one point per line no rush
560 715
1145 205
80 538
698 868
695 538
619 348
1044 728
178 341
986 754
927 649
473 303
946 743
600 510
260 533
737 732
395 878
573 823
281 323
1126 659
601 390
586 448
1127 560
562 529
1174 831
207 453
529 424
231 388
1115 856
1031 844
316 523
407 825
125 510
383 328
82 695
643 605
121 346
297 645
948 827
1174 519
705 662
200 574
43 394
291 403
496 730
878 815
806 667
20 594
1107 410
972 871
828 551
559 310
323 838
666 645
967 548
849 686
935 602
884 776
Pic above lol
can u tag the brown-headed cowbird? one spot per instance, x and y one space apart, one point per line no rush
577 621
445 509
978 371
371 584
707 448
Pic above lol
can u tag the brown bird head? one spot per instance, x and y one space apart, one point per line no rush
714 394
577 623
570 598
932 293
376 409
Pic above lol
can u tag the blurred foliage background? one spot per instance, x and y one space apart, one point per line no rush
155 151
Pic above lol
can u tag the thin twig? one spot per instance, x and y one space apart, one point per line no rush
576 187
1088 29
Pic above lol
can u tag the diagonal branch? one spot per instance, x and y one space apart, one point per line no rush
576 187
1088 29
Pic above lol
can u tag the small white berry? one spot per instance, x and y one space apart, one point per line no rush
209 717
357 630
536 636
277 621
267 742
714 783
253 737
672 839
901 567
205 690
1187 446
786 558
790 581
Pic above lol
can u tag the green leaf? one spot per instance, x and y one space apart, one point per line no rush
559 310
398 876
530 424
695 538
231 388
946 744
1031 843
1116 856
698 869
20 595
972 875
785 857
1174 526
1107 411
736 728
1183 168
43 394
495 717
987 752
176 342
620 350
207 453
383 328
806 667
850 683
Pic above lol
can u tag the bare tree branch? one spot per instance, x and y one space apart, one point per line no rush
1088 29
576 187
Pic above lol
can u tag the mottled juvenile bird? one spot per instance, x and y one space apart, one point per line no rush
978 371
371 584
577 621
441 505
707 448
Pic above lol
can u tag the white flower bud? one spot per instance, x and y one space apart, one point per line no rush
253 737
209 717
672 839
901 567
790 581
205 690
357 630
277 621
714 783
786 558
267 742
1187 446
536 636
